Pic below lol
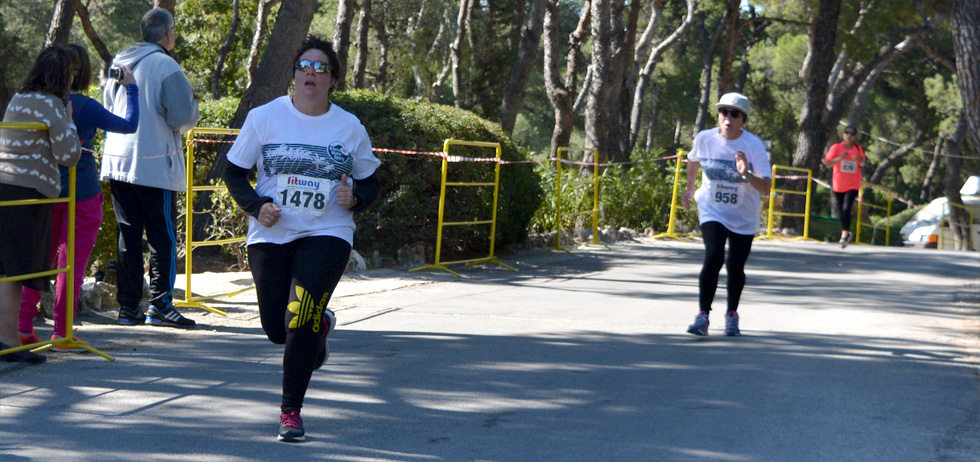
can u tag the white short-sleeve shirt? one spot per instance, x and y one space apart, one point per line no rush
300 160
724 196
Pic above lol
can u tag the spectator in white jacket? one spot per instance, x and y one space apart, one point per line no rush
146 170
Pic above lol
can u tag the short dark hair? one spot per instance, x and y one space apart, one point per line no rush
50 73
83 68
850 129
315 42
155 24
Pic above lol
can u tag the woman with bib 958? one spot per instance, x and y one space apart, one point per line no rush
736 170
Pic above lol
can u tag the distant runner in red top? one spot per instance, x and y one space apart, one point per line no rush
846 158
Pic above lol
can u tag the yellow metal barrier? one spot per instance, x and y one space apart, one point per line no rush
189 242
673 202
439 264
772 204
68 337
560 213
860 211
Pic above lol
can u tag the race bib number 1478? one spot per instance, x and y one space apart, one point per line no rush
303 195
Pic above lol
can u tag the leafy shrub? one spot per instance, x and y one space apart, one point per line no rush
635 196
407 209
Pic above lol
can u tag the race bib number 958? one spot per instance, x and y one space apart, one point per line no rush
303 195
726 195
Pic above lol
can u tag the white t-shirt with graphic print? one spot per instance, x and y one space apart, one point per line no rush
724 196
300 160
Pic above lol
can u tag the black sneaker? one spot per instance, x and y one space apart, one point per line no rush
291 427
328 322
168 316
130 316
22 356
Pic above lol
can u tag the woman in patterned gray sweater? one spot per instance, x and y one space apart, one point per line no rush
29 162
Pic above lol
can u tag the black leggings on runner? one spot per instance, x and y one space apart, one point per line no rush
293 283
739 245
845 203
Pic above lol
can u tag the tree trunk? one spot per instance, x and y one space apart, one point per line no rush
864 89
61 18
708 45
520 72
381 78
169 5
643 79
823 36
890 160
582 96
261 30
459 97
561 93
926 192
602 124
966 45
272 79
654 118
341 38
361 44
627 68
93 36
516 34
959 220
732 16
812 133
219 64
845 83
434 92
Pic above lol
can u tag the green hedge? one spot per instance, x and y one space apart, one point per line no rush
407 210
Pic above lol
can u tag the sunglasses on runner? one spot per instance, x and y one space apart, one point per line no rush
734 113
319 67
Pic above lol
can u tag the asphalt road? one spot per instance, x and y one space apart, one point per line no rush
861 354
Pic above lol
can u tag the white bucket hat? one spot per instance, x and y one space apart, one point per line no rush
734 101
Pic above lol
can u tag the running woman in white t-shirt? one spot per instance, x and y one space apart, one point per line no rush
736 170
307 152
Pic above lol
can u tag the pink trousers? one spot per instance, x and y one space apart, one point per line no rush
88 219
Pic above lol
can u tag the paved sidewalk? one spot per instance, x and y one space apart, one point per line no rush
863 354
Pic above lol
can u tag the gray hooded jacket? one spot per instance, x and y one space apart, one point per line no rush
152 156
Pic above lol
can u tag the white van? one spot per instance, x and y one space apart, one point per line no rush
929 227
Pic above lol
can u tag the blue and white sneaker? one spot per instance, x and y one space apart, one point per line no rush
168 316
700 326
731 324
130 316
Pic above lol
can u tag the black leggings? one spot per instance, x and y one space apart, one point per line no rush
293 283
715 234
845 203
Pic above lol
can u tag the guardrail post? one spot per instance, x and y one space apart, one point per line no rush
189 243
439 264
559 194
772 200
671 234
68 339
